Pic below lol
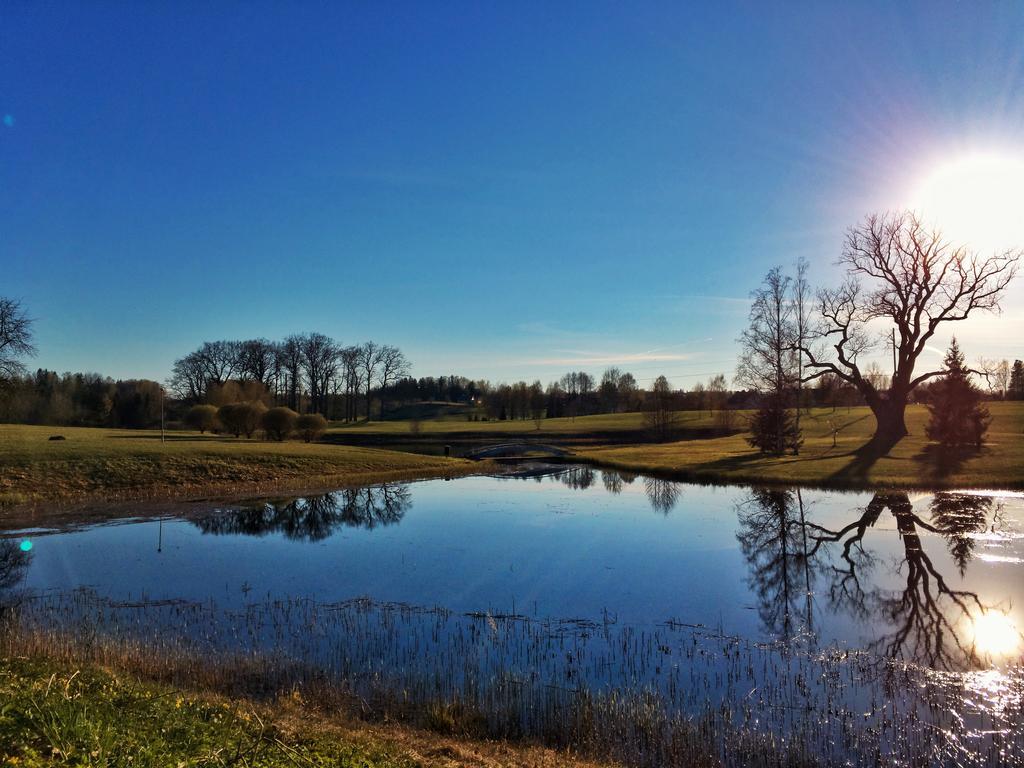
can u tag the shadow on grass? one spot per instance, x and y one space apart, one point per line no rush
939 462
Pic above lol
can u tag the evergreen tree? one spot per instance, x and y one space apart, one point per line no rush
774 428
958 417
1016 390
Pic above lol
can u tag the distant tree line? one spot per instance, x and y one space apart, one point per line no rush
308 373
79 399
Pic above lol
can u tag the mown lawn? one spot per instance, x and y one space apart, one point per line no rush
53 713
849 463
581 425
131 464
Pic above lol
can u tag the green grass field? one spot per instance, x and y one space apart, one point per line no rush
581 425
619 440
114 464
54 713
122 464
849 463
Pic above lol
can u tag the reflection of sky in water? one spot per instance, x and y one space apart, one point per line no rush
880 572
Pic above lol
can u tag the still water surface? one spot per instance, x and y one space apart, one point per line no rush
933 580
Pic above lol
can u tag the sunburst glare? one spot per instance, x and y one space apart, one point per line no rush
976 200
995 634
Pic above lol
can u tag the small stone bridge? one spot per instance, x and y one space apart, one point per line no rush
522 450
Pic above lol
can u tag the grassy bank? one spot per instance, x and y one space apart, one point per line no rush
846 461
54 713
131 464
112 464
701 453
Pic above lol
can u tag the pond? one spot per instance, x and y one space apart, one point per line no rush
833 621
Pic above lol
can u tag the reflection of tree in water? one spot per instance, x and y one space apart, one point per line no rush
14 563
774 543
615 480
578 478
663 494
927 612
957 516
315 517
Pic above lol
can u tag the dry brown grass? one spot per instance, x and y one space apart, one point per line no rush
850 463
111 465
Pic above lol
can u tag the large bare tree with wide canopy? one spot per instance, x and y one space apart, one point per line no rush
907 274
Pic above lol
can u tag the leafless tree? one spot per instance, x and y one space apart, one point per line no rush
290 363
15 337
627 391
188 378
319 357
718 401
350 372
801 324
255 362
219 360
997 374
878 378
659 415
767 362
903 273
371 356
393 366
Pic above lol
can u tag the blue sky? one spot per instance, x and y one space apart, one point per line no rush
503 190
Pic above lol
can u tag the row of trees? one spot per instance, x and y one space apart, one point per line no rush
80 399
248 418
309 371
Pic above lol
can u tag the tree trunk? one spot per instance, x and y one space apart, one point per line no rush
890 417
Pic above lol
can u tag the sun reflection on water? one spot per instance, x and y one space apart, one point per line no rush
995 634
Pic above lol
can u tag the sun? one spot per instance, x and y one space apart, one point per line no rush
976 200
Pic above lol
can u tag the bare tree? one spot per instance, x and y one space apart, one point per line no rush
319 357
290 363
997 374
220 360
905 274
659 415
350 357
767 362
15 337
878 378
801 325
393 366
627 391
255 361
609 389
718 401
188 378
370 357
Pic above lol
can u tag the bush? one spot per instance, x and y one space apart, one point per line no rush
774 429
311 426
241 418
201 417
227 420
279 422
250 416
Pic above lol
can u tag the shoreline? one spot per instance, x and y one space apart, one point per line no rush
697 477
102 504
160 498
